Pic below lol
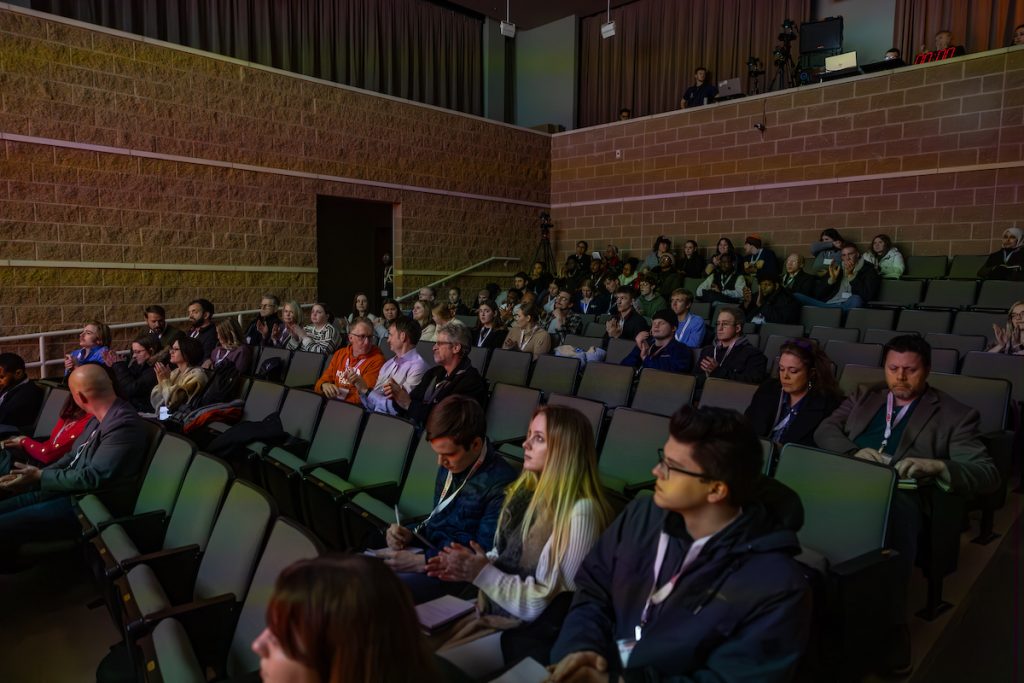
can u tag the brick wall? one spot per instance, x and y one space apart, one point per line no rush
120 150
929 154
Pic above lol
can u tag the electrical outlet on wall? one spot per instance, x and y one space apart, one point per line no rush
618 154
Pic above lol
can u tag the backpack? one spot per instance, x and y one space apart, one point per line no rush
272 370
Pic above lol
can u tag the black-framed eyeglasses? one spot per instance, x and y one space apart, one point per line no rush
665 469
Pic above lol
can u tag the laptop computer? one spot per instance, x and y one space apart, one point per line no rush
729 88
847 60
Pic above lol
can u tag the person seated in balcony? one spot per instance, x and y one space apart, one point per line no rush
723 246
20 397
826 250
850 285
528 334
70 425
489 332
650 301
944 41
885 257
179 381
788 408
731 356
230 347
1010 338
134 381
361 309
692 263
564 319
658 348
625 322
773 304
93 340
724 284
758 259
795 279
1008 262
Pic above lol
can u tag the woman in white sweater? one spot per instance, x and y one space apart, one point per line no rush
886 257
553 514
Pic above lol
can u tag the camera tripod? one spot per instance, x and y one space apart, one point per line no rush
785 70
543 252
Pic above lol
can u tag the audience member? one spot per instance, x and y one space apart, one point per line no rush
71 423
200 318
540 278
180 381
553 514
731 356
604 301
700 93
581 258
262 325
286 334
1018 35
1009 339
341 618
482 296
944 41
667 276
926 435
625 114
885 257
441 315
230 348
723 246
851 285
564 320
519 282
725 283
134 381
689 326
422 314
507 310
625 322
629 274
320 336
692 263
658 348
586 300
488 333
759 260
361 309
452 374
773 303
528 335
1006 263
649 301
20 397
826 250
468 495
406 368
360 357
788 408
662 245
795 279
547 299
428 294
93 340
893 54
611 258
455 304
697 583
598 269
156 322
105 455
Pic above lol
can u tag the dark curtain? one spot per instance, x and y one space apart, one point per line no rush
406 48
657 45
978 25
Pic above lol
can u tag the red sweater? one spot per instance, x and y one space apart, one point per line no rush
59 443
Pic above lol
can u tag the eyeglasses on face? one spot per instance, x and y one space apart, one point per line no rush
359 336
443 343
665 469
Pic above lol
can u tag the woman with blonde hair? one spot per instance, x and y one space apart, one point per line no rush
231 348
1010 339
285 334
553 513
527 334
422 314
179 385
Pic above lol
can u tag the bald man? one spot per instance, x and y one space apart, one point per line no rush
110 450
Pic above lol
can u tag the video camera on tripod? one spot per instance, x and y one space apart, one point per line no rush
782 53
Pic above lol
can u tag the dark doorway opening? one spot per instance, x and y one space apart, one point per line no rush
353 252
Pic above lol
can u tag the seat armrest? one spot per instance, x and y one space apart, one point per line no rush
198 615
387 492
175 569
336 467
145 530
631 490
514 441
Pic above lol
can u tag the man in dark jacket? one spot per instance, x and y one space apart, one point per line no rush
468 495
110 450
697 583
851 285
453 374
658 348
731 355
20 397
773 304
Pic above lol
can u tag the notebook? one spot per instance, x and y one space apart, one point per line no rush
527 671
442 611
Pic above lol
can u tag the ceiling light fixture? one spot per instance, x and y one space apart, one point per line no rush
608 28
507 28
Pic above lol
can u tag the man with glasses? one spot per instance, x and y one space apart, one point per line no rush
564 321
108 452
263 324
453 374
359 359
697 582
405 368
731 356
850 285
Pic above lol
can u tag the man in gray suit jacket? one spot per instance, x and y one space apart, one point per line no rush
110 450
930 438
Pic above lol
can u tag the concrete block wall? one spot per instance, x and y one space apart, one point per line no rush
168 174
930 154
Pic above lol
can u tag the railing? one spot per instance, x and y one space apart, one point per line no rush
457 273
42 363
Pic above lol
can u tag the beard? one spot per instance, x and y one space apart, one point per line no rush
904 392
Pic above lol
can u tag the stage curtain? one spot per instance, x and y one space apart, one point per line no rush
978 25
657 45
407 48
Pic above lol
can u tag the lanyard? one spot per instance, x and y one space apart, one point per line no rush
658 595
484 333
681 331
728 350
524 340
443 502
889 422
781 425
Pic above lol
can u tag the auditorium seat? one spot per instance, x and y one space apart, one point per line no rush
49 413
662 393
869 319
771 352
823 335
595 329
997 366
769 330
945 360
814 316
426 351
607 383
299 415
853 376
979 323
923 322
925 267
508 366
880 336
966 266
268 352
470 321
949 294
555 374
263 399
998 295
478 358
842 353
508 416
580 342
305 369
963 344
618 349
898 293
630 450
724 393
593 410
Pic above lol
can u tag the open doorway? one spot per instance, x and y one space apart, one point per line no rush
353 252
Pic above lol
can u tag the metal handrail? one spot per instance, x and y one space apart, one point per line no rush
43 336
449 276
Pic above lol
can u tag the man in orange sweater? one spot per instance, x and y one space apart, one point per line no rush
360 356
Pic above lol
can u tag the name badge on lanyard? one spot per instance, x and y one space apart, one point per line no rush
890 422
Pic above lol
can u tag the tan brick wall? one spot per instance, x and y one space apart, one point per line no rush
81 85
965 114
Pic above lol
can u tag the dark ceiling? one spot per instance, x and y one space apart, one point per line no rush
527 14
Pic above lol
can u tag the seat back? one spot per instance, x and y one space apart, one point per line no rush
578 341
555 374
945 360
768 330
164 477
978 323
300 412
469 321
337 432
990 396
593 410
841 353
900 292
771 350
963 343
305 369
268 352
595 329
383 448
509 411
662 393
925 267
966 266
824 335
288 542
631 446
814 316
120 496
198 500
235 542
852 376
417 499
607 383
426 351
924 321
618 349
950 293
846 501
478 357
870 319
50 412
882 337
999 294
725 393
997 366
263 399
509 366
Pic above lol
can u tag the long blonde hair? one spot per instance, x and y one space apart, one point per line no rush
570 475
